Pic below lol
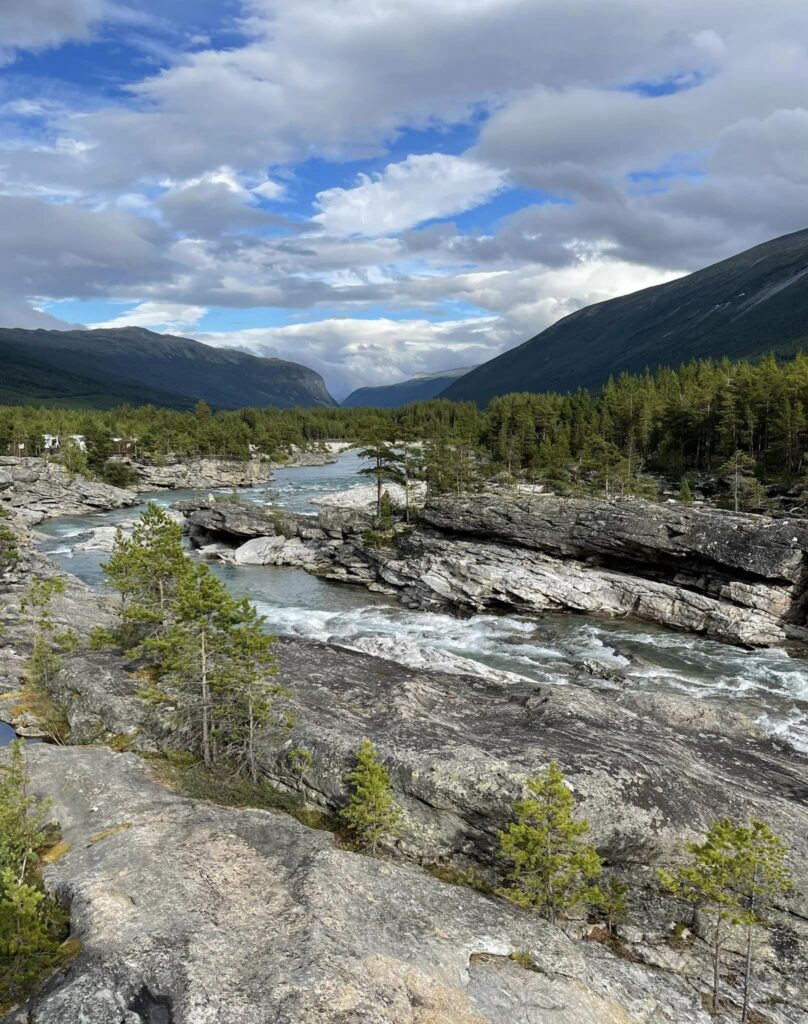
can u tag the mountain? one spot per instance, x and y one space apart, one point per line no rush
104 368
747 305
419 388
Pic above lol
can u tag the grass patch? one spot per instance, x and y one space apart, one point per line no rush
55 853
121 741
229 791
524 960
472 878
50 718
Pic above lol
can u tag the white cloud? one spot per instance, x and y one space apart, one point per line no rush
353 352
166 315
420 188
39 24
160 199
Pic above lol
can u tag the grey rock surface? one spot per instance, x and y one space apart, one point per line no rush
435 572
227 916
40 489
200 472
738 578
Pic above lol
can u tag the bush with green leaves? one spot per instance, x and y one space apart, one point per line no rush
736 875
553 871
118 474
372 814
32 925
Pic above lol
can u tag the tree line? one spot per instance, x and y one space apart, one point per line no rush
746 421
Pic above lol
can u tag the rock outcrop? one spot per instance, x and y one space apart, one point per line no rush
218 915
35 489
649 773
738 578
190 913
741 578
201 472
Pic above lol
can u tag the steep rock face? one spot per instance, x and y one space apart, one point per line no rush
672 537
740 577
433 572
36 489
215 916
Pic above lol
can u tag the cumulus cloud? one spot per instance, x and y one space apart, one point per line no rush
349 352
166 315
654 137
422 187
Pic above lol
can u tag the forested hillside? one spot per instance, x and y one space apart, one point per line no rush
417 389
743 307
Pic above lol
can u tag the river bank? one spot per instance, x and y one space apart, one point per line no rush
650 770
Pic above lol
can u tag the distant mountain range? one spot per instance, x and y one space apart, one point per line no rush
104 368
747 305
419 388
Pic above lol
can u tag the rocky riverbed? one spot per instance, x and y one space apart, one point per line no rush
196 914
739 578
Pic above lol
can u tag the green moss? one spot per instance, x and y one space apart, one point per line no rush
524 960
121 741
111 831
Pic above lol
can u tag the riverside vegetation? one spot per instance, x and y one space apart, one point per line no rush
746 422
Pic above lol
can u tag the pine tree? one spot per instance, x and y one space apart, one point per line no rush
759 877
213 663
685 493
31 924
553 869
736 872
372 814
610 900
146 569
44 663
745 488
385 463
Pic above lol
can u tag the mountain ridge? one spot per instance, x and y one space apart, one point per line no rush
746 305
419 388
107 366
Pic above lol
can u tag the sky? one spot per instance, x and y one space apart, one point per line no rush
378 188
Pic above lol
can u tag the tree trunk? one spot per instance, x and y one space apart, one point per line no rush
747 976
716 961
378 488
205 699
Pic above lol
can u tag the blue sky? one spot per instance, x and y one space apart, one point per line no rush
383 189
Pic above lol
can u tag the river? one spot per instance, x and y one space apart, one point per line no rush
770 685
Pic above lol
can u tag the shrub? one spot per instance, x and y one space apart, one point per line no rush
372 814
552 868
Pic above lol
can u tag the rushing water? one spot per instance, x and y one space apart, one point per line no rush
771 685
